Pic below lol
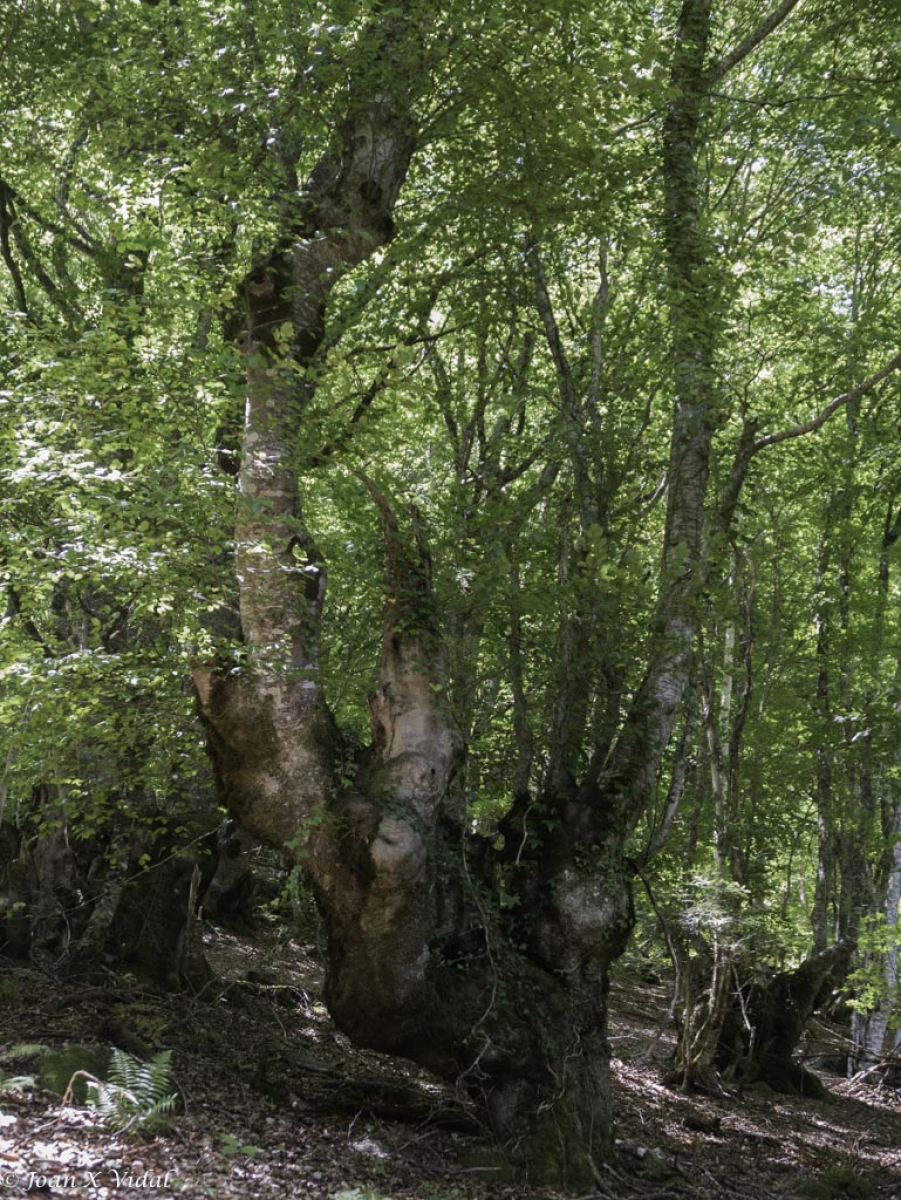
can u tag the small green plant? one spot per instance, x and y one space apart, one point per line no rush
18 1083
296 903
136 1094
10 987
15 1083
24 1050
839 1183
231 1147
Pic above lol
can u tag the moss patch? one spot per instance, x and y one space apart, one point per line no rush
58 1067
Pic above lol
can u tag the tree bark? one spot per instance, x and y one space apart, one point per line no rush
421 959
415 965
764 1027
872 1032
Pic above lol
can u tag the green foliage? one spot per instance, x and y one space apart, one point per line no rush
13 1054
10 987
233 1147
867 985
296 904
23 1050
66 1071
136 1094
15 1083
364 1193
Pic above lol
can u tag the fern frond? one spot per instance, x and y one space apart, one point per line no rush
22 1050
15 1083
136 1093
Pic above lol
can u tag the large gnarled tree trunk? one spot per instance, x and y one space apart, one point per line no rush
763 1028
417 964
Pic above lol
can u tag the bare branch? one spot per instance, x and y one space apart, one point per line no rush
572 412
599 307
29 257
736 481
521 733
892 529
749 44
817 422
682 762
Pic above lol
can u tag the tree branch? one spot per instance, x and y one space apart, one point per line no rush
6 251
736 481
341 440
749 44
866 385
28 254
892 529
573 415
551 329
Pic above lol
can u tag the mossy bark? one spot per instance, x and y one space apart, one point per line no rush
423 959
761 1034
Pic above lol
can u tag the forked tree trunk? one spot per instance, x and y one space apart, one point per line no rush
414 966
420 963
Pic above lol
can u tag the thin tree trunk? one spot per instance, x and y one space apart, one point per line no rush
872 1032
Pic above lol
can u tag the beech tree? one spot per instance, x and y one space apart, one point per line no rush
489 306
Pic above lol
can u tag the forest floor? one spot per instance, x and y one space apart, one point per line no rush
276 1102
